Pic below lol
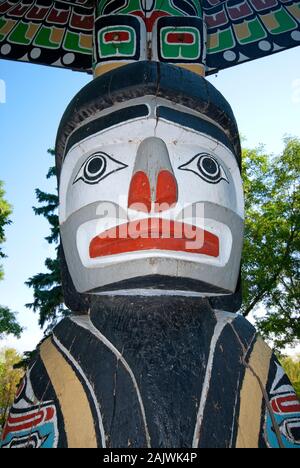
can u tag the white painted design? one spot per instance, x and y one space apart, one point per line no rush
153 292
68 58
5 49
295 35
88 211
35 53
29 393
86 323
283 388
223 319
229 56
92 393
265 46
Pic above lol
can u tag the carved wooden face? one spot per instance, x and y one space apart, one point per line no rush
168 31
151 197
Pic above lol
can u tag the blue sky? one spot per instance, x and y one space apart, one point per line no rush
264 95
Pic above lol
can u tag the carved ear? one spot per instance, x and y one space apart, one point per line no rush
75 301
230 302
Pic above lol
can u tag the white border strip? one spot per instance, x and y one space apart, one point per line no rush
79 369
222 321
86 323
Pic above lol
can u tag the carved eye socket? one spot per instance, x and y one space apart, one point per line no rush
98 167
207 167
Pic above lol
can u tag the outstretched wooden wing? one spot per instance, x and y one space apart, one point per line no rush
48 32
243 30
59 33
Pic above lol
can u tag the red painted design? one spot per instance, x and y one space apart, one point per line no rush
21 388
154 234
82 22
166 190
241 11
216 20
139 197
150 20
18 11
58 16
37 13
4 7
117 36
286 404
28 420
180 38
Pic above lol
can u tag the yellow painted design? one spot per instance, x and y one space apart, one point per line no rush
242 30
57 35
213 41
86 41
31 31
270 21
252 396
7 27
78 419
294 10
107 67
193 67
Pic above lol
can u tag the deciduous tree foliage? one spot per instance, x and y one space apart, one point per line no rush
292 369
5 211
272 241
8 322
9 381
270 266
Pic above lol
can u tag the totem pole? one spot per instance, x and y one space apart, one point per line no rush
151 217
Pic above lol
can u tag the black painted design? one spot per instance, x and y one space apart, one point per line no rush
166 342
286 410
195 123
186 6
103 123
219 429
104 22
206 167
180 22
98 167
86 389
112 384
258 38
44 391
35 420
33 440
113 6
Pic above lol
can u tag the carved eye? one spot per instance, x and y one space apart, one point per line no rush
207 167
98 167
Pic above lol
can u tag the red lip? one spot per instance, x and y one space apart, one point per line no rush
154 234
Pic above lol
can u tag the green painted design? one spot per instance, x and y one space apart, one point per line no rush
177 50
286 22
43 39
165 6
18 35
2 23
72 43
225 41
117 48
256 32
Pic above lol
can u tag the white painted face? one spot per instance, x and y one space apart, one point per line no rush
151 196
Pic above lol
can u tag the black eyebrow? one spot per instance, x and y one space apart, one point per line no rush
130 113
195 123
105 122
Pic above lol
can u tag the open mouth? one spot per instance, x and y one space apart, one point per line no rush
154 234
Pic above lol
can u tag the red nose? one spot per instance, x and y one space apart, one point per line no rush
140 198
